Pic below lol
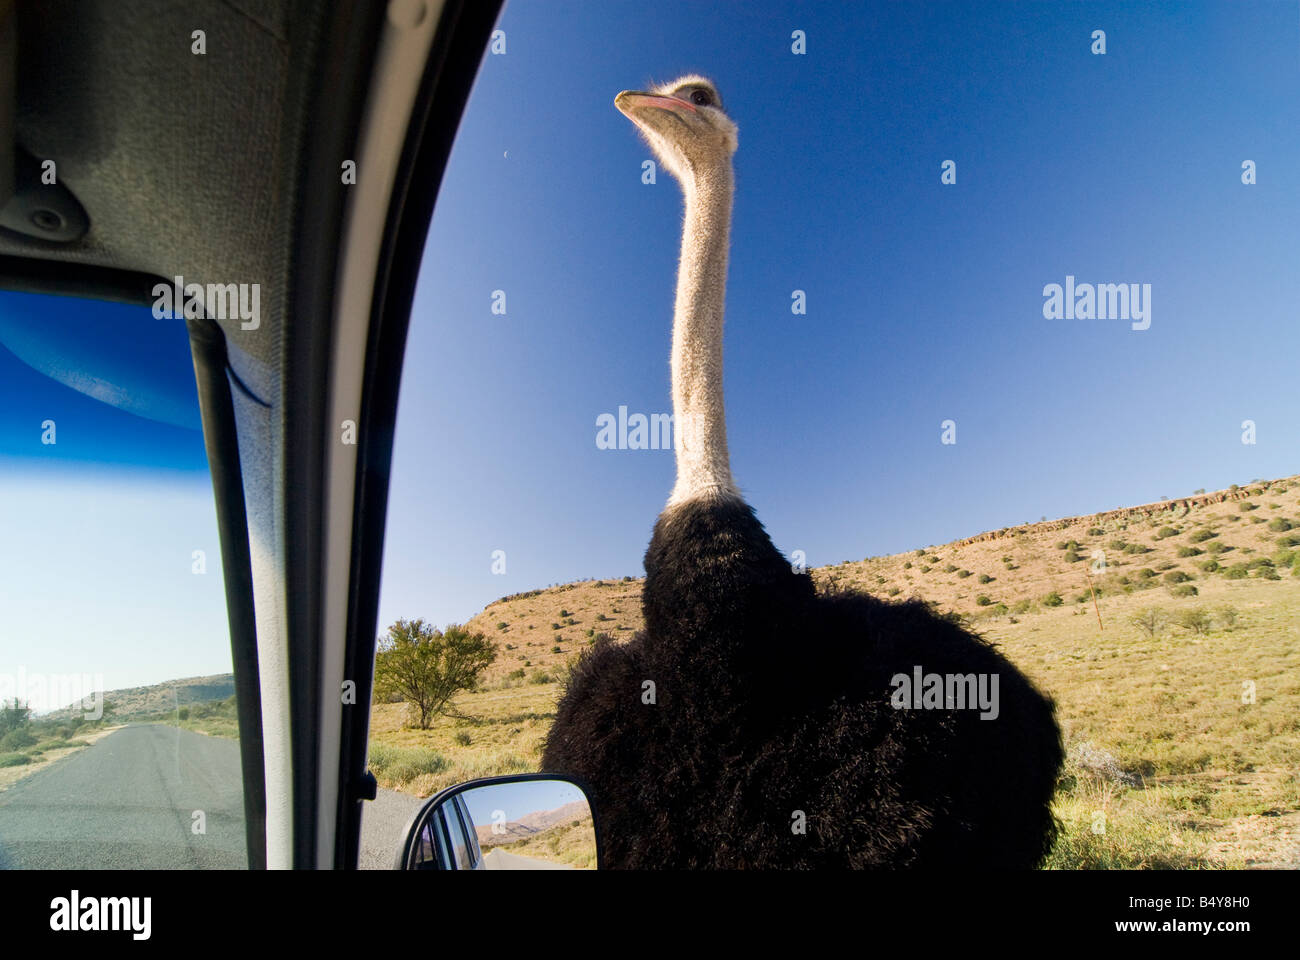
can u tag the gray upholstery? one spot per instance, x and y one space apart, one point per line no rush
173 155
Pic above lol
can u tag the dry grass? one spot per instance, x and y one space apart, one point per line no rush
1197 777
505 736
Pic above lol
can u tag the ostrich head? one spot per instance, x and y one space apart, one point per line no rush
684 124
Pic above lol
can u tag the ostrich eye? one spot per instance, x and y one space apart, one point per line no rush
701 98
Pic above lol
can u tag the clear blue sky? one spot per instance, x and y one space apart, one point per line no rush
924 304
925 301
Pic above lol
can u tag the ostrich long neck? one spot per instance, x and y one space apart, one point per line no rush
699 419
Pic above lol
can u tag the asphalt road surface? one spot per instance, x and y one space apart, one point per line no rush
128 801
503 860
383 827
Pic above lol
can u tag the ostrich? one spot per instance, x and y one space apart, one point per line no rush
754 723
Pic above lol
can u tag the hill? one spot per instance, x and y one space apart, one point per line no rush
532 824
1019 568
1183 735
135 703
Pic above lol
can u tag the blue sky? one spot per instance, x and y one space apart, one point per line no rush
924 300
924 304
98 579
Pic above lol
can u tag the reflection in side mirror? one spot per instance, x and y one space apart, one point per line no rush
527 822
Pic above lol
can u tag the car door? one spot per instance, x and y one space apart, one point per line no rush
302 156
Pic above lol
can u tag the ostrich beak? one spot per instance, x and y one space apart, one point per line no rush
630 102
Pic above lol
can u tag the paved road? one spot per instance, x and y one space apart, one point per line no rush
127 801
503 860
383 827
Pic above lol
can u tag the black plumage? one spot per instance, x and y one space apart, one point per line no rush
773 703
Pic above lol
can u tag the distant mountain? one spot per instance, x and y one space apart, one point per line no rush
132 702
532 824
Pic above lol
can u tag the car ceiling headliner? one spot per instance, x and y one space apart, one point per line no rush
181 160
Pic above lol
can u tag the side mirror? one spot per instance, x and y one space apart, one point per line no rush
531 821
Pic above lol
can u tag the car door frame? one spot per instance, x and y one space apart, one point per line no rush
327 829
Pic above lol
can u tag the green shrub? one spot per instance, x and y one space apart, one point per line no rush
17 739
1238 571
1117 545
14 759
1280 524
1176 576
983 600
1053 599
907 565
1095 531
999 610
894 591
949 568
963 574
541 676
1246 507
463 738
1189 552
1200 536
1183 590
1227 616
1165 532
403 764
556 649
1196 620
1146 573
515 674
1210 566
501 625
985 578
1149 620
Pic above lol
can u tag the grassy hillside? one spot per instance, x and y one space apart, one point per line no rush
135 703
571 842
1168 767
